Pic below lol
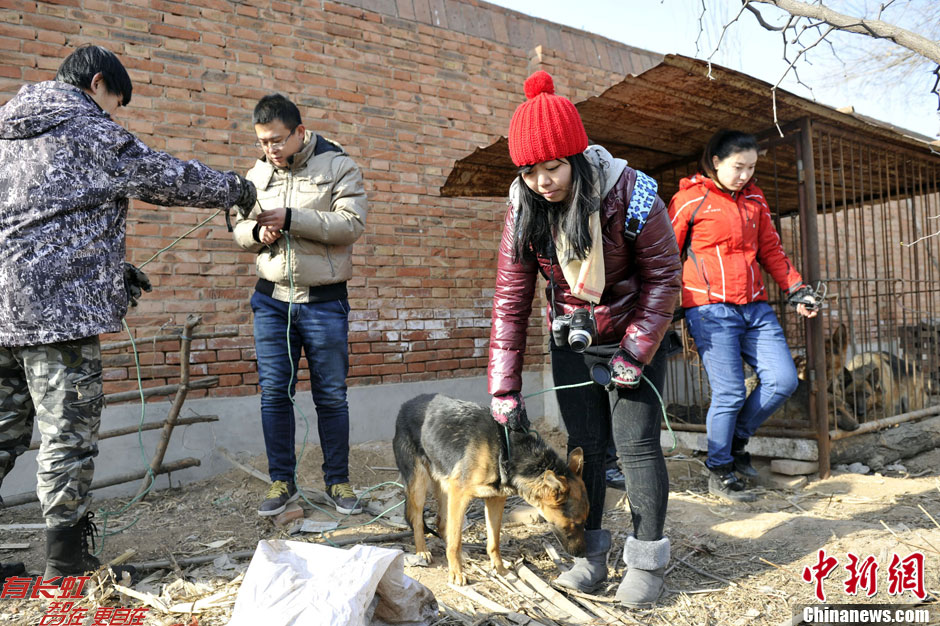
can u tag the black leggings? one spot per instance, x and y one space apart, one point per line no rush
635 423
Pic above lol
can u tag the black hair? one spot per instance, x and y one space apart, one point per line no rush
539 219
80 67
276 107
723 144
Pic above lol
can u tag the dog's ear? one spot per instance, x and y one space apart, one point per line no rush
576 461
840 340
552 489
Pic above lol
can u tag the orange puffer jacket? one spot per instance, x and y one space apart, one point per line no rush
728 236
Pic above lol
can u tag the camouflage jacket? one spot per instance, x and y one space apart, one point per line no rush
66 173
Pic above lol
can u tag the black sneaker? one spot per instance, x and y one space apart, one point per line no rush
276 500
728 486
742 464
615 479
344 498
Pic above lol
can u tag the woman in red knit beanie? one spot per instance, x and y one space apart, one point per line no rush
599 234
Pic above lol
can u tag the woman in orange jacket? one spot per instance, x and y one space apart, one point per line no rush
723 223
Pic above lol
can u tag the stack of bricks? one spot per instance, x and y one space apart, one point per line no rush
408 87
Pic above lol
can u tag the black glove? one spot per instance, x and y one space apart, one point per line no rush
508 409
246 201
805 295
135 283
625 372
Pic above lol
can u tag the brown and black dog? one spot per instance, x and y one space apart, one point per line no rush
884 384
457 447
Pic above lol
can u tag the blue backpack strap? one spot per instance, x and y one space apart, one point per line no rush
641 203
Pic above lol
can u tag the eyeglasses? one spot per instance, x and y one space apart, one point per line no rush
274 147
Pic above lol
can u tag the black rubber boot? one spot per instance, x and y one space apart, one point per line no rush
8 570
724 483
67 552
742 459
589 571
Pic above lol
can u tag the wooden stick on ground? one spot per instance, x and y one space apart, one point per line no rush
533 601
553 555
475 596
563 603
123 557
928 515
706 574
609 616
27 527
586 596
454 614
245 468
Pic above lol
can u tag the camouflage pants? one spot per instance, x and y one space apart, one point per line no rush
58 385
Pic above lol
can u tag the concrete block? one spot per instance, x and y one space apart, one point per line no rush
803 449
792 467
771 480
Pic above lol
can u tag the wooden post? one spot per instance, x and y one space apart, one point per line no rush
26 498
809 238
185 343
129 430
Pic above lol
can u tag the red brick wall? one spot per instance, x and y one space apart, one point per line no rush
407 87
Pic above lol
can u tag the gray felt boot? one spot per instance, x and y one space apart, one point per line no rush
589 571
646 565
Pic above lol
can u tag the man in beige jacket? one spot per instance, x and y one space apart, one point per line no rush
311 209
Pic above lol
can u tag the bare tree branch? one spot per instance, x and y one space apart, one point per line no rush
804 16
701 27
873 28
760 18
722 35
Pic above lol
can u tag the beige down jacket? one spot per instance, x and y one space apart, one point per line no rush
323 188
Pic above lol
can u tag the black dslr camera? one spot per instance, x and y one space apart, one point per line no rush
576 329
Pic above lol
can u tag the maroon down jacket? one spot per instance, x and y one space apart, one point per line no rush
642 286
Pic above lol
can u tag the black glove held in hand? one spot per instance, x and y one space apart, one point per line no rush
135 283
246 201
625 373
805 295
509 410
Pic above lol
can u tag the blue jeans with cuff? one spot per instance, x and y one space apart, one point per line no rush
727 336
321 330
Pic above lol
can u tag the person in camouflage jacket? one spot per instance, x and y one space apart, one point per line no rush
67 171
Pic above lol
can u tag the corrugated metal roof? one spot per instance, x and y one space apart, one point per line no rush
661 119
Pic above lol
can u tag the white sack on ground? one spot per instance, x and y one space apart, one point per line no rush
291 583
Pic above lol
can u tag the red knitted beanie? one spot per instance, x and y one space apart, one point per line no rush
545 126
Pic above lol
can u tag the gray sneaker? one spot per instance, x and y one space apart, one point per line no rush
344 498
276 500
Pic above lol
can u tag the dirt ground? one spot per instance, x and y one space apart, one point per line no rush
732 565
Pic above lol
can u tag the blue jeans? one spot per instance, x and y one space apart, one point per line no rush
727 336
322 330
